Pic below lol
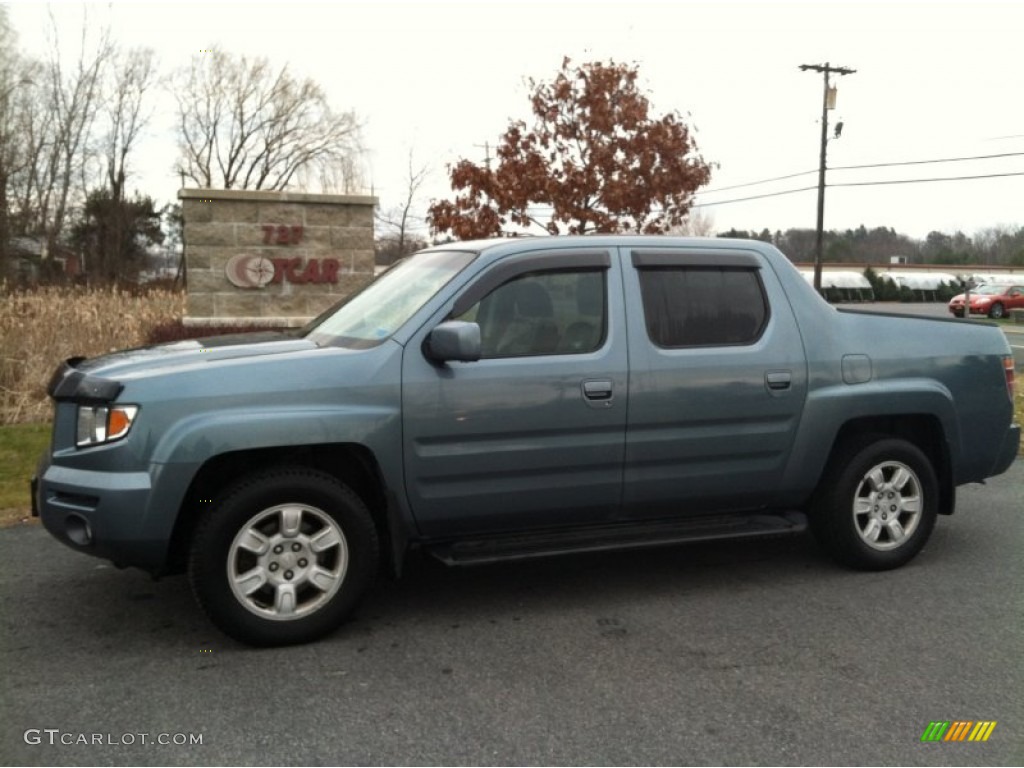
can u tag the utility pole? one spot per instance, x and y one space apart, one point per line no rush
486 147
826 70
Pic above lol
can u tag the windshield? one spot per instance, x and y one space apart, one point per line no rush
989 290
369 316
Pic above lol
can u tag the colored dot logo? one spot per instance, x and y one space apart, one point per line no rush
958 730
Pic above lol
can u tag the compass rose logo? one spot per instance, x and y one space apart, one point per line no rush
248 271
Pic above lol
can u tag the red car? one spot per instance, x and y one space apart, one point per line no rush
992 300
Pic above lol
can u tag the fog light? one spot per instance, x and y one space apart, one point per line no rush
78 530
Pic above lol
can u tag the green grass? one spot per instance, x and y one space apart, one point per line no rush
21 445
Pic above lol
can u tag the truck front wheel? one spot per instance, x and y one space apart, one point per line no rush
283 556
877 504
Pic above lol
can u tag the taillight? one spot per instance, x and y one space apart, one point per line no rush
1010 376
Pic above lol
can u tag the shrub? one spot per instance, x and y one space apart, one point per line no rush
176 330
947 291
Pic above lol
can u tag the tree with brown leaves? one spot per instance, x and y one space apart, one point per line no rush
594 161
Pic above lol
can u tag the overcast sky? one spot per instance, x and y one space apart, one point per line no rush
934 80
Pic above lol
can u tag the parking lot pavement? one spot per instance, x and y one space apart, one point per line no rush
757 652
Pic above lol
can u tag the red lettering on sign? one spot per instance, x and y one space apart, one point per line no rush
279 266
299 272
329 271
291 271
311 274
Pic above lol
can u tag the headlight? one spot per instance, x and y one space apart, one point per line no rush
98 424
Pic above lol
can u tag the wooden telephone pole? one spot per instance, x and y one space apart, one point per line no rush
826 70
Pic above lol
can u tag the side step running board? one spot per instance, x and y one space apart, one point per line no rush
618 536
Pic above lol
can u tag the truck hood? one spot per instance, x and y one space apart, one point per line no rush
179 354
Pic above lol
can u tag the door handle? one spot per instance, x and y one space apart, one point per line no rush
778 379
597 390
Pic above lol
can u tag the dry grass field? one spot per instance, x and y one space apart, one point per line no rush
40 328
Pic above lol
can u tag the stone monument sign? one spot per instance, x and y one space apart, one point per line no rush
272 258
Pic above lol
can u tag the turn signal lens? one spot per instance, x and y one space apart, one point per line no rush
118 422
98 424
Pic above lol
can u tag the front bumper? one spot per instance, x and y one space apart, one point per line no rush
99 513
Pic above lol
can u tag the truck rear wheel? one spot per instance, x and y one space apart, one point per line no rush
283 557
877 503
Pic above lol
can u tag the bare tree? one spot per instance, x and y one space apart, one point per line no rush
68 124
49 111
17 81
74 94
8 149
127 113
31 142
341 174
696 224
244 126
395 223
1001 245
112 220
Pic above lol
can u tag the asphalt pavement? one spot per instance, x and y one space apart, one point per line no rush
756 652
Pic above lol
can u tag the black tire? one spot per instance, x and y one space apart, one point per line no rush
877 503
996 311
958 314
302 547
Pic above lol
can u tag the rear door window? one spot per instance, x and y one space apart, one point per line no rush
702 306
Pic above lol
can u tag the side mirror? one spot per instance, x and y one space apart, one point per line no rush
454 340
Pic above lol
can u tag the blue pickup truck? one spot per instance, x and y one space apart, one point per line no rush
519 398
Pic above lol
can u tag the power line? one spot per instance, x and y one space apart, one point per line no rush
860 184
925 181
925 162
542 210
865 165
762 181
755 197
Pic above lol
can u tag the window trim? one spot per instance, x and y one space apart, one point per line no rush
544 261
723 259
